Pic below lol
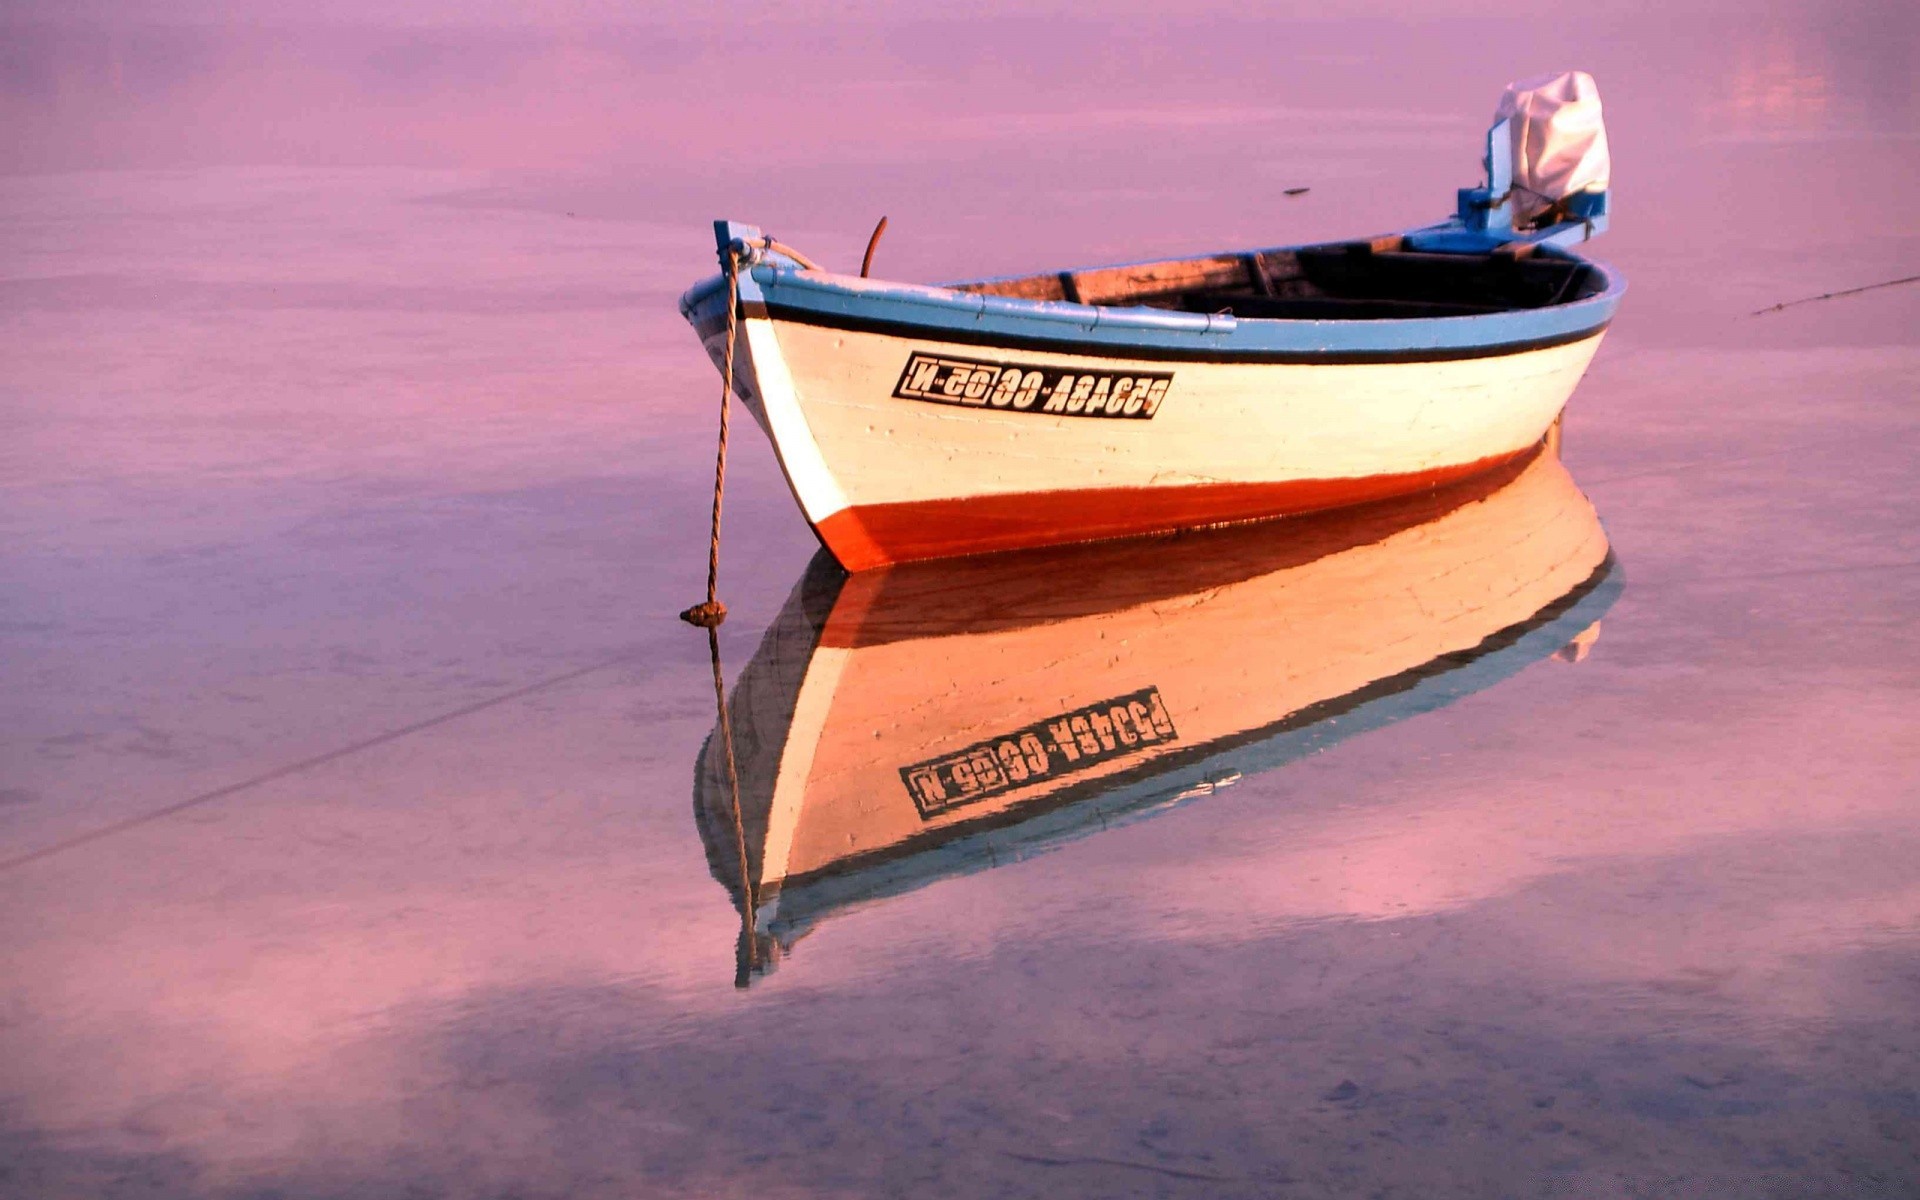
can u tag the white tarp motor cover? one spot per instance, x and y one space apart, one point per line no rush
1559 140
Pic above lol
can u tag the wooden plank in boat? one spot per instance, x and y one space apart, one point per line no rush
1126 284
1107 285
1030 287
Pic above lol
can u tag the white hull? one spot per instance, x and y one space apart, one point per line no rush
885 477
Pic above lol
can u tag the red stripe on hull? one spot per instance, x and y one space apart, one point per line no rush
876 535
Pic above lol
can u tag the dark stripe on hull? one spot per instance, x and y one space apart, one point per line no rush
874 535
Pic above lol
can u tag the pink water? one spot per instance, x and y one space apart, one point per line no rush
347 426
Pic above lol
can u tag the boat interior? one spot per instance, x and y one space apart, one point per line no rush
1345 281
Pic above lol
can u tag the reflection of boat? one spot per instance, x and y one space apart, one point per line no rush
898 726
919 422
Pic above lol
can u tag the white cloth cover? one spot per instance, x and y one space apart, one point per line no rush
1559 140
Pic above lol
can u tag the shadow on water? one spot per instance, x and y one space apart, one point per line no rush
903 726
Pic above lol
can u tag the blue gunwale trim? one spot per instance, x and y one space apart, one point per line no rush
775 289
1115 348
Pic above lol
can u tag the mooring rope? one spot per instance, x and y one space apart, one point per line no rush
1853 291
710 612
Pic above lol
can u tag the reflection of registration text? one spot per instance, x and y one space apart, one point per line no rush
1047 750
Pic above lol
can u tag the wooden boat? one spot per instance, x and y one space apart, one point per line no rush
899 726
921 422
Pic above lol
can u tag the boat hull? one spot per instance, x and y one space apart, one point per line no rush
901 446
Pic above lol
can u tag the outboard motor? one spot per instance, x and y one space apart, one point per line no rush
1559 145
1547 171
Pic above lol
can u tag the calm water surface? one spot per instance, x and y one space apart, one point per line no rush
359 824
